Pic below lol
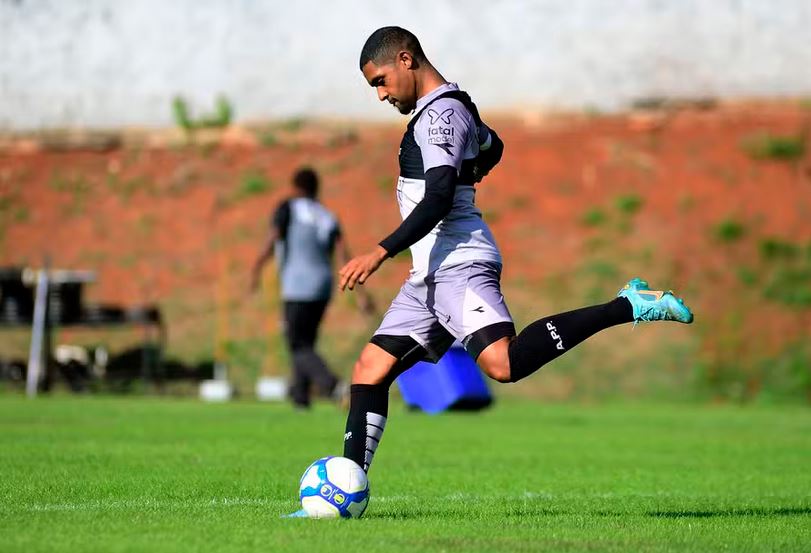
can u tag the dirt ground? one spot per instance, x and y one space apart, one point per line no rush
579 204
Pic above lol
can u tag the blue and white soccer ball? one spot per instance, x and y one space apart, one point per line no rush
333 487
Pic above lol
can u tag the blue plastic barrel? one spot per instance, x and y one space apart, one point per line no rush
454 382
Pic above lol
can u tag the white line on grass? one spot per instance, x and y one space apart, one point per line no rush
154 503
149 502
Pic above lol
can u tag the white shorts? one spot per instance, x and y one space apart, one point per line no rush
460 302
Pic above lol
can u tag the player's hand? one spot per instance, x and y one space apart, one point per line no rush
360 268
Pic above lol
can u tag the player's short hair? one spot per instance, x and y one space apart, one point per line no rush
306 180
384 44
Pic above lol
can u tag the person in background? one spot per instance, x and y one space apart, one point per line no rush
303 235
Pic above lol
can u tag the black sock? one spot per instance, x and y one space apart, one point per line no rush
551 337
368 409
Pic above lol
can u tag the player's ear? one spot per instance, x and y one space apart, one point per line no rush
406 60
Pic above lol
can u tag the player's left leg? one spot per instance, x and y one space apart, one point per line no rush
302 319
509 359
299 391
317 369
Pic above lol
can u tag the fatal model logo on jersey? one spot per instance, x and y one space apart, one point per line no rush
441 136
445 146
445 116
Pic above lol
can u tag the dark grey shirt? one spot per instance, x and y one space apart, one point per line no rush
307 234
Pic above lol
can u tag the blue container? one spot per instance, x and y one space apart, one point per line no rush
454 382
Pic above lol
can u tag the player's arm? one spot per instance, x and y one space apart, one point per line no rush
277 231
491 149
440 184
442 155
490 145
265 254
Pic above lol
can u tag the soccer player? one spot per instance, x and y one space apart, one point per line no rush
304 234
453 291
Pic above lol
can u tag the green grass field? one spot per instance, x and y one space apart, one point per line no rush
122 474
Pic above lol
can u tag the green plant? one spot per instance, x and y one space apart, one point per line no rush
292 125
747 276
603 270
786 376
21 214
774 248
145 224
180 111
520 202
268 138
74 184
593 217
385 184
768 146
404 255
342 137
252 183
246 353
790 286
126 188
729 230
628 203
491 215
221 116
128 261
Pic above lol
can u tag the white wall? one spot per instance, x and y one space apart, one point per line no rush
112 62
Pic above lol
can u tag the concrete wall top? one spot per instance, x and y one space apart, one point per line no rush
103 63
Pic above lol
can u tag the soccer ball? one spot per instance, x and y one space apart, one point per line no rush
333 487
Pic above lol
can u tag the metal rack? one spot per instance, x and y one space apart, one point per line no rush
45 299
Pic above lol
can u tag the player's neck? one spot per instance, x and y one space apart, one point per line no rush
429 80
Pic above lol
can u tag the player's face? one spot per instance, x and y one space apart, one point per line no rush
394 82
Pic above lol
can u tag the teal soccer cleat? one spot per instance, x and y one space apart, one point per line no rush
635 284
654 305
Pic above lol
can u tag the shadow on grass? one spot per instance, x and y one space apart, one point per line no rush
525 511
753 512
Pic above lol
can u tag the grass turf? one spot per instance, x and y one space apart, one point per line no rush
120 474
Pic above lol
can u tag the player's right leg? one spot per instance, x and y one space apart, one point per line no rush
406 334
379 364
382 360
368 404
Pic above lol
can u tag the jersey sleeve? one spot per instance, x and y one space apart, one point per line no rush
440 184
281 219
442 133
334 235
